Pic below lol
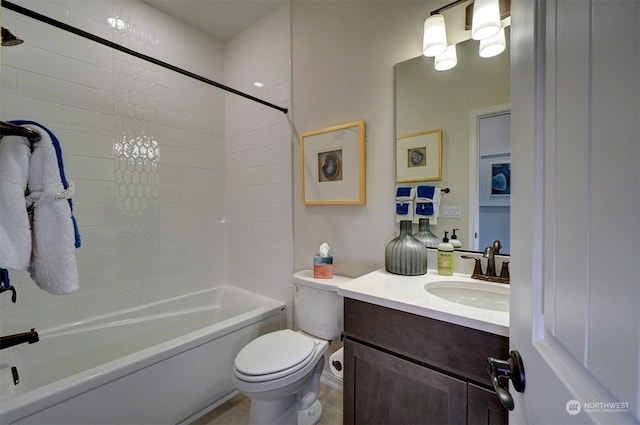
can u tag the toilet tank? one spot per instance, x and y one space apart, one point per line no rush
316 304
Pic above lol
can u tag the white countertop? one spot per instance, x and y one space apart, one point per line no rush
407 293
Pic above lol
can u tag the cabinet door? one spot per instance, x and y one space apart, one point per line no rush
485 408
384 389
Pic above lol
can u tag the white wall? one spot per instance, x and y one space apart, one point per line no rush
150 227
344 54
258 157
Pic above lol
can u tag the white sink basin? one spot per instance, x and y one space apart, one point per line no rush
488 296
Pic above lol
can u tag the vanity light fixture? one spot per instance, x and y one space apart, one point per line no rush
493 46
434 40
486 19
446 60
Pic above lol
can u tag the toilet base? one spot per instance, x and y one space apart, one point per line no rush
312 415
278 411
283 412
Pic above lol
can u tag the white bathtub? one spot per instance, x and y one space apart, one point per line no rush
164 363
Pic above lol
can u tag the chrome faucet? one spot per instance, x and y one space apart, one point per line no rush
491 276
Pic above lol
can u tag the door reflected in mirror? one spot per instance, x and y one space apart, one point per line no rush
456 101
493 207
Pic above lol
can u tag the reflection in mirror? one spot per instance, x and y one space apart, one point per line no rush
490 143
427 99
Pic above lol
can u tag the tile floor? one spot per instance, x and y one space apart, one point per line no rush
236 410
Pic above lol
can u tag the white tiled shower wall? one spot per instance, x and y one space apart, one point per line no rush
258 152
146 149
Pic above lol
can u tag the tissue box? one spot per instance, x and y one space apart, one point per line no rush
323 267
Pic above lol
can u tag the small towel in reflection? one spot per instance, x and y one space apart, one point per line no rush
404 203
427 202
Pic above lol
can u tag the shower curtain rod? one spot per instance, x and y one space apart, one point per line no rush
47 20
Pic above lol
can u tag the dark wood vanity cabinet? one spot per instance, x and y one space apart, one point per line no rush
402 368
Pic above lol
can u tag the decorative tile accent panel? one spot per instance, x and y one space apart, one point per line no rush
136 153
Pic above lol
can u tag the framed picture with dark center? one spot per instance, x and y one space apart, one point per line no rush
332 166
495 180
329 166
419 156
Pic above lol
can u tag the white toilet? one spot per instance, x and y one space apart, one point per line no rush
280 371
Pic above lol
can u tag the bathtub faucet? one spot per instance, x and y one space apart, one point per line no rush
13 292
11 340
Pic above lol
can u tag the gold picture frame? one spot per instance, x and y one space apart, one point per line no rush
419 156
332 165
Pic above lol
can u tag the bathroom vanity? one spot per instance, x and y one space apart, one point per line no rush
415 358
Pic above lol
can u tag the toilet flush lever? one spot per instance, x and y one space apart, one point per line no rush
513 369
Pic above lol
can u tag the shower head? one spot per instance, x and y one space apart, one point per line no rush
9 39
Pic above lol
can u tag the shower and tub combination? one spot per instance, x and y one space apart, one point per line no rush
165 362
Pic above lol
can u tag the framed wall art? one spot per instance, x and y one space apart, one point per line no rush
419 156
332 165
495 180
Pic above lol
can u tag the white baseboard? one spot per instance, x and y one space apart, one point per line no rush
331 380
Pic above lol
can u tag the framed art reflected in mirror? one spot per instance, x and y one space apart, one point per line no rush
332 165
419 156
495 180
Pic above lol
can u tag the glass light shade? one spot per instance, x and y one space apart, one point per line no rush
486 19
446 60
434 40
493 46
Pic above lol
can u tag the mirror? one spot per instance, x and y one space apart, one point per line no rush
454 101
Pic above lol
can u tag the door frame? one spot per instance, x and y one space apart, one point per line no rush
474 168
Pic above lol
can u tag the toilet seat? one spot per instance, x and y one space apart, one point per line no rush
274 355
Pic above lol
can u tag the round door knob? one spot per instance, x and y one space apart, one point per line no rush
513 369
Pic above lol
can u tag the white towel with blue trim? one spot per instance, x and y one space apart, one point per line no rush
427 204
15 233
404 203
53 266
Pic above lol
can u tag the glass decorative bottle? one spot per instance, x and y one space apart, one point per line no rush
405 255
424 235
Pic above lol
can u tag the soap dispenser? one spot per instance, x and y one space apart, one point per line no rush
455 241
445 256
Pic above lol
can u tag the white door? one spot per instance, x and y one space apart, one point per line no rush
575 229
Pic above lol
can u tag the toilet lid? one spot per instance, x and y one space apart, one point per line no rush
275 352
